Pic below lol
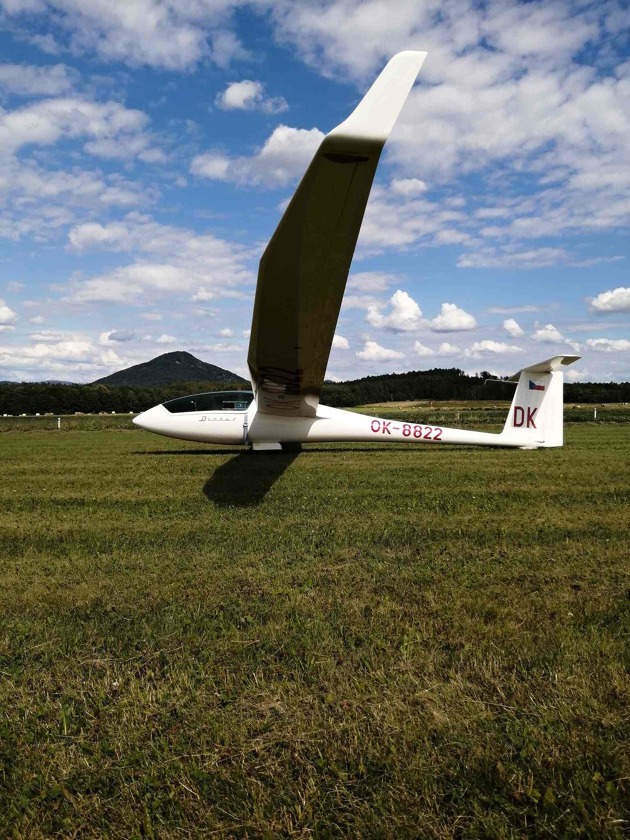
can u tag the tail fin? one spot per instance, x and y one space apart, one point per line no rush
536 413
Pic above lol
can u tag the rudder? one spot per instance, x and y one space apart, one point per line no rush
536 414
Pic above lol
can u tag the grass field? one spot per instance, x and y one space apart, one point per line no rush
388 642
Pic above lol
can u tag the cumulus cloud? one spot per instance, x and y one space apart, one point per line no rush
504 85
172 261
158 33
44 199
509 257
31 80
374 352
47 335
400 220
513 328
608 345
408 186
615 300
549 334
283 158
248 95
7 315
422 350
487 347
340 343
404 316
166 339
113 336
444 349
453 319
370 281
66 355
514 310
47 121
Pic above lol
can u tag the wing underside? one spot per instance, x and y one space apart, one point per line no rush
303 272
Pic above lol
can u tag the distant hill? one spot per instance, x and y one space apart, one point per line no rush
169 368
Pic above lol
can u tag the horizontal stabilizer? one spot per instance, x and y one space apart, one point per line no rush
548 366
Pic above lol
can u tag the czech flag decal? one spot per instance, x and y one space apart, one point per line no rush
534 387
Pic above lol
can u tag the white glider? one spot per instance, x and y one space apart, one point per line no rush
301 281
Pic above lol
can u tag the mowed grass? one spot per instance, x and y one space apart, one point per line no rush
364 641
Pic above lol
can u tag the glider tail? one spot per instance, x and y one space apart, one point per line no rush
536 413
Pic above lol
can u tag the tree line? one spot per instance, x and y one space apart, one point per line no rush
454 384
435 384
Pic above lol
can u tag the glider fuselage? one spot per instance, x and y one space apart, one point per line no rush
251 427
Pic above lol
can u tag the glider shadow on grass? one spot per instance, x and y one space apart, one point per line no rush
244 481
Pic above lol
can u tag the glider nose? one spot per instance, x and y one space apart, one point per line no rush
152 420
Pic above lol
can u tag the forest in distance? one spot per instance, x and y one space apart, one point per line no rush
435 384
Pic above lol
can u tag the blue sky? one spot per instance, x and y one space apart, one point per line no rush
149 147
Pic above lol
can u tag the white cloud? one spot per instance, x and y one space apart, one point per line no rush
42 199
31 80
249 95
115 336
7 315
48 335
574 374
514 310
47 121
60 355
166 339
487 347
405 314
340 343
504 84
284 157
408 186
38 319
395 220
549 334
453 319
422 350
159 33
221 347
615 300
608 345
226 333
513 328
373 352
371 281
444 349
508 257
176 261
203 295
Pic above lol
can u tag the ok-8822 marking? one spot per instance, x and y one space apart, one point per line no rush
409 430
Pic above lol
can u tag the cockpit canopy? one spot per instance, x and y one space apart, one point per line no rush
211 401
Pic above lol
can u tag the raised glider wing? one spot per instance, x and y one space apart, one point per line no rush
301 282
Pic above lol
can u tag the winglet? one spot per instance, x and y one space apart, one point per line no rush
376 113
548 366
